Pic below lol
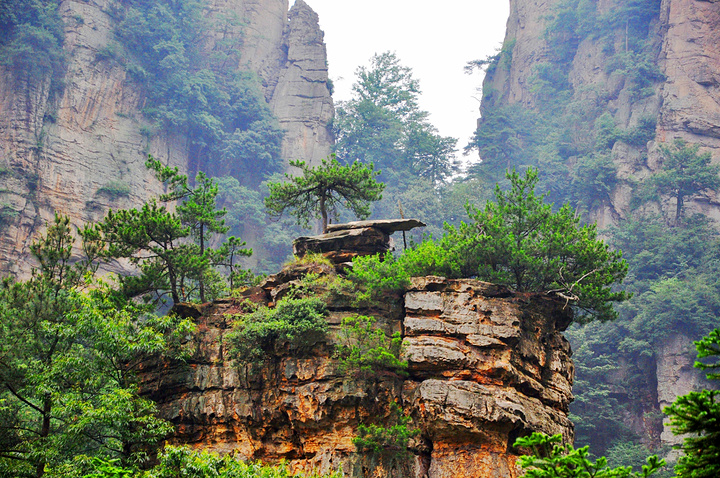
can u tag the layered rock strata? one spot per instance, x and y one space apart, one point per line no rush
484 366
343 242
69 153
684 98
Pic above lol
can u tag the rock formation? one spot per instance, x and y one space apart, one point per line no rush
65 155
343 242
485 366
685 102
684 98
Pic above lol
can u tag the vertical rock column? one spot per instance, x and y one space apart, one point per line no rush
301 100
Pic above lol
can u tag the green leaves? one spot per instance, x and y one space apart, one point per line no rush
321 189
365 349
551 459
684 172
220 107
67 363
296 323
389 441
518 241
697 414
383 125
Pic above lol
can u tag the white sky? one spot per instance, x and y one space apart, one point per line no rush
436 39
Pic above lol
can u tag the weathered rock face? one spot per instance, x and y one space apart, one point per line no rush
60 155
684 100
485 366
300 99
343 242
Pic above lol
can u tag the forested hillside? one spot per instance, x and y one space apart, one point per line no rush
90 88
615 103
150 137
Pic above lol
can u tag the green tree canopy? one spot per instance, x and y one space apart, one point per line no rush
67 385
550 459
684 172
383 124
321 189
171 249
697 414
518 240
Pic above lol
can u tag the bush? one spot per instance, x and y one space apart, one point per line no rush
296 323
386 442
377 275
367 350
550 459
184 462
115 189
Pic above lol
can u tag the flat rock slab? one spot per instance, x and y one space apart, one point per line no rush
361 241
388 226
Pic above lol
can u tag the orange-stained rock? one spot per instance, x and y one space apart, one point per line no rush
485 366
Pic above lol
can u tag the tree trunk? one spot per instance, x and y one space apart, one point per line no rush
324 214
44 433
202 254
678 209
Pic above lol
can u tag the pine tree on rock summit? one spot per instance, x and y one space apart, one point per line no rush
321 189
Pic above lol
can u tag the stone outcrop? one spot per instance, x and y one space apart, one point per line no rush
300 99
342 242
684 99
66 154
484 366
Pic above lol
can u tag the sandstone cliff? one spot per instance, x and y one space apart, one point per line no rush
66 154
681 97
485 366
685 96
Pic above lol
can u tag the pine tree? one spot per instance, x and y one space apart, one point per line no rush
320 190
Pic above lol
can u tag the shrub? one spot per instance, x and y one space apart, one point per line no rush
297 323
185 462
310 258
377 275
386 442
550 459
115 189
366 350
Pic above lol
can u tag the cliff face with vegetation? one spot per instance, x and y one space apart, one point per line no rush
484 366
674 84
589 91
76 142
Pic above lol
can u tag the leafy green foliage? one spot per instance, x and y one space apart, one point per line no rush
698 415
571 130
32 43
115 189
153 239
673 273
182 461
320 190
68 360
297 324
550 459
377 275
171 249
684 172
389 442
383 125
366 350
517 240
207 98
